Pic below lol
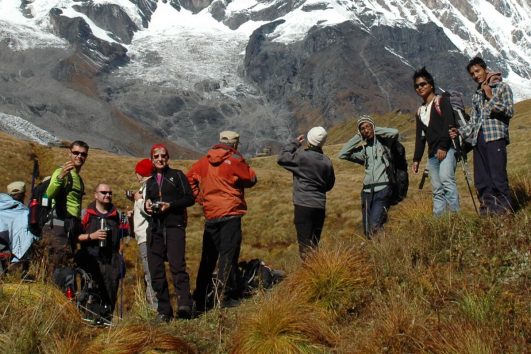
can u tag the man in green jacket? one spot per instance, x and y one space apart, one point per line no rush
365 149
66 189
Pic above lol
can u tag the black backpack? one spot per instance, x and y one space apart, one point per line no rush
44 210
397 169
255 275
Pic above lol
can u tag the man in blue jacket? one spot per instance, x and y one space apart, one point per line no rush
15 236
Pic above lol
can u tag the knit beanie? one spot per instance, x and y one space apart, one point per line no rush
365 119
158 146
144 168
316 136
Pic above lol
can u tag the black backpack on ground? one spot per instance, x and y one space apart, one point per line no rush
78 284
397 169
255 275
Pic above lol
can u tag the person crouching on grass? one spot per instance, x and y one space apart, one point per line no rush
313 176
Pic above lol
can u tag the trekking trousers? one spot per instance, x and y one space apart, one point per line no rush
220 240
309 225
168 243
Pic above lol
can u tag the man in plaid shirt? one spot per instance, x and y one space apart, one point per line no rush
488 132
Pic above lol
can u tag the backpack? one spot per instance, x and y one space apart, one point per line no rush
42 212
457 103
77 284
461 118
397 169
255 275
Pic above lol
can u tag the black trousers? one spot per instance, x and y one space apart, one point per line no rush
168 243
221 240
309 225
60 244
490 175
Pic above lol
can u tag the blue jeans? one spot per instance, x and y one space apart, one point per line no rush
444 188
374 208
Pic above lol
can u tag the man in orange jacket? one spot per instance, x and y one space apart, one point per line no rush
218 180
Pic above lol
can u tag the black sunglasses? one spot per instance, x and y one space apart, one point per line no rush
105 192
162 156
420 84
79 153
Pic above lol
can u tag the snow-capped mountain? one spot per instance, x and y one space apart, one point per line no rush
116 72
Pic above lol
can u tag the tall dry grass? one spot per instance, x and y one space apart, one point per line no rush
335 279
282 323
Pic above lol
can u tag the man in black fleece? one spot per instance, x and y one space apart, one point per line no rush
168 194
434 117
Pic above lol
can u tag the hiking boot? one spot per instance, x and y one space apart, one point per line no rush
184 312
162 318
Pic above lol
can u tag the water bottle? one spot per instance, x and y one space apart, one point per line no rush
34 211
105 227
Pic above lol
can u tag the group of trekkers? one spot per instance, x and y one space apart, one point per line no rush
93 238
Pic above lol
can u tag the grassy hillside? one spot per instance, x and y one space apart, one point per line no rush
457 284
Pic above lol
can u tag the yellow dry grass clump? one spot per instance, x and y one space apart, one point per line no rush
282 323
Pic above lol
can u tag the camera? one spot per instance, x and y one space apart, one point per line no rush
156 208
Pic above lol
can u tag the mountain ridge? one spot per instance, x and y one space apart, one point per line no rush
184 70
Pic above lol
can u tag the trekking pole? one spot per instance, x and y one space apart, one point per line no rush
122 267
464 166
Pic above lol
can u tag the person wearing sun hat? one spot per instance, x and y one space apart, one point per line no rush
313 176
17 190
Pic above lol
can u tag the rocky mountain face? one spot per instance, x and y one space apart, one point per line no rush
123 74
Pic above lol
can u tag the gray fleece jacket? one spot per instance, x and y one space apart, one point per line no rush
313 174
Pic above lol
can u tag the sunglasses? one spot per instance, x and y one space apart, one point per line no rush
105 192
79 153
161 156
420 84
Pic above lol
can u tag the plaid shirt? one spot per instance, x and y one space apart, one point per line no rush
490 115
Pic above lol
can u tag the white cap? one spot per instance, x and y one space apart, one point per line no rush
317 136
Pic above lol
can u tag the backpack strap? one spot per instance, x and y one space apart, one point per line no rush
437 104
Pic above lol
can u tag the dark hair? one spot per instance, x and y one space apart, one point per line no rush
422 72
80 144
476 61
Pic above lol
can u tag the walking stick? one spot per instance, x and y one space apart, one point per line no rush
464 166
122 267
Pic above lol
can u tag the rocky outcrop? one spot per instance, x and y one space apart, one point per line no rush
343 70
105 55
111 18
146 7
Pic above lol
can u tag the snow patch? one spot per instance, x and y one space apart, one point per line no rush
21 128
